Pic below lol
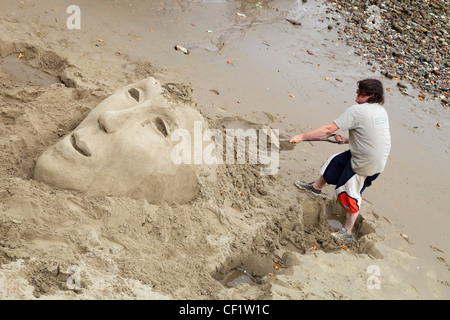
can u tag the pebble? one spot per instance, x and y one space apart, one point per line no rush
408 39
402 84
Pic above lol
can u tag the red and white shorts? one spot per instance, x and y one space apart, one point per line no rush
337 170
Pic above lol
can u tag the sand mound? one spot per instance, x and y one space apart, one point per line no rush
59 243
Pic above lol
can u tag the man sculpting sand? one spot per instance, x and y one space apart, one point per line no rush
370 143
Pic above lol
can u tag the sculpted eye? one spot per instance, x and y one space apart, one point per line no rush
161 126
134 93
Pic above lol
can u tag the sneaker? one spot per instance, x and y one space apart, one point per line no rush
343 235
307 187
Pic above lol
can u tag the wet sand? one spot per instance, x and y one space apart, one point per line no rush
260 68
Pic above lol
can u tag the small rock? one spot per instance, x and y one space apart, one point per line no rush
182 49
387 74
402 84
294 22
398 28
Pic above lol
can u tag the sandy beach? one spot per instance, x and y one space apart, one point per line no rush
284 65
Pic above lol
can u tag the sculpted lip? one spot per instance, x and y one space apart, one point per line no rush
80 146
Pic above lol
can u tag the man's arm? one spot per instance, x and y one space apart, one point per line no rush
316 133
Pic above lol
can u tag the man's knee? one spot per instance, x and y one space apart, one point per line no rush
348 203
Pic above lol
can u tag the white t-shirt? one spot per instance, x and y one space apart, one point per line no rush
369 137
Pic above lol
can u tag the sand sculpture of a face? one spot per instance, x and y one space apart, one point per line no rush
123 147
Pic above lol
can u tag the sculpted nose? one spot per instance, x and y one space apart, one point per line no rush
109 121
80 145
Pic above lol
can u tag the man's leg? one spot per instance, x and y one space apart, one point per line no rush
319 183
348 185
350 219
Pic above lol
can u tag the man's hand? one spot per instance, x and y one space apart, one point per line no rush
341 139
297 139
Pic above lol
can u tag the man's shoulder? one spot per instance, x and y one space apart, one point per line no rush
367 107
354 108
